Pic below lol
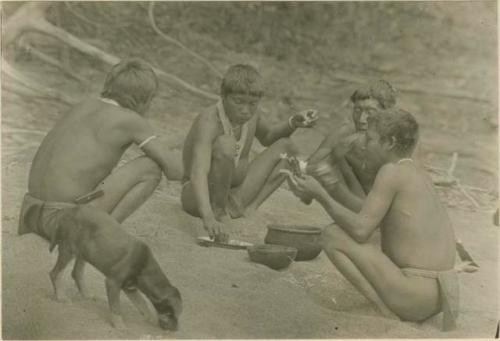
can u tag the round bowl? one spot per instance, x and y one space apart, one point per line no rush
306 239
274 256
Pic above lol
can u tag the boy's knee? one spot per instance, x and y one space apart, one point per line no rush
224 147
150 170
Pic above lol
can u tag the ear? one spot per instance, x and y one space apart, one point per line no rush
391 143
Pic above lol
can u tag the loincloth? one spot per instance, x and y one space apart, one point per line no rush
448 292
41 217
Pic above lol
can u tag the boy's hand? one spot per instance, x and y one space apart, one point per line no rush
305 187
216 230
304 119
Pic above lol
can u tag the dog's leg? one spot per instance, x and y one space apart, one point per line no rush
113 292
77 275
63 258
140 303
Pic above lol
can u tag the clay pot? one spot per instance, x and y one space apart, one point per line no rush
274 256
306 239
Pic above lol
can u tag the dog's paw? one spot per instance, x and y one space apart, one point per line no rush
117 322
87 297
61 298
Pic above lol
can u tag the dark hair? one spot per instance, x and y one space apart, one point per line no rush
242 79
131 82
380 90
398 124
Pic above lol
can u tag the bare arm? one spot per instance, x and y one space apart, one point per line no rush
267 134
351 180
344 196
138 129
204 134
360 226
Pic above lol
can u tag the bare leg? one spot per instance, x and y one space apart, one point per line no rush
263 177
219 179
56 274
221 174
77 275
140 303
379 279
274 180
113 292
127 188
352 274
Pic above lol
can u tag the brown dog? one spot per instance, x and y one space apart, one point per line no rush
95 237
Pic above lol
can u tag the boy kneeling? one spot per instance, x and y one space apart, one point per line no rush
413 275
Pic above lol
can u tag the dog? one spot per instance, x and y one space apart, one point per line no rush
93 236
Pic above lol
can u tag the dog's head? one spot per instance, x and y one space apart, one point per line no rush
169 309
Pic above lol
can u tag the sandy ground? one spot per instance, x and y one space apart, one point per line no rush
225 295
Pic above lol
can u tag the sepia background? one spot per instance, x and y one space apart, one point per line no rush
441 56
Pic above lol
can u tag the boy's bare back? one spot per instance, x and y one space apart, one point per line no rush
416 231
82 149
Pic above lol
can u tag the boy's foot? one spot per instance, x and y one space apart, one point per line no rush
117 322
223 218
250 212
221 215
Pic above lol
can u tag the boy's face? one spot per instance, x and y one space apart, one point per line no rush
240 107
362 110
377 151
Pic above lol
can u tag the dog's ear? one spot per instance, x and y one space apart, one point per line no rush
171 304
176 301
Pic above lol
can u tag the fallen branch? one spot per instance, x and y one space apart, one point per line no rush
30 17
467 195
81 16
451 180
22 131
82 46
178 43
453 165
35 86
477 189
51 61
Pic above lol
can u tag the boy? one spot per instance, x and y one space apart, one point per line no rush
356 174
413 275
74 161
219 180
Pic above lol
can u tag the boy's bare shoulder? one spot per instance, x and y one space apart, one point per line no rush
207 122
390 174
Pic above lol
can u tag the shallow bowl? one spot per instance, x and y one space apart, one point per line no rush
274 256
